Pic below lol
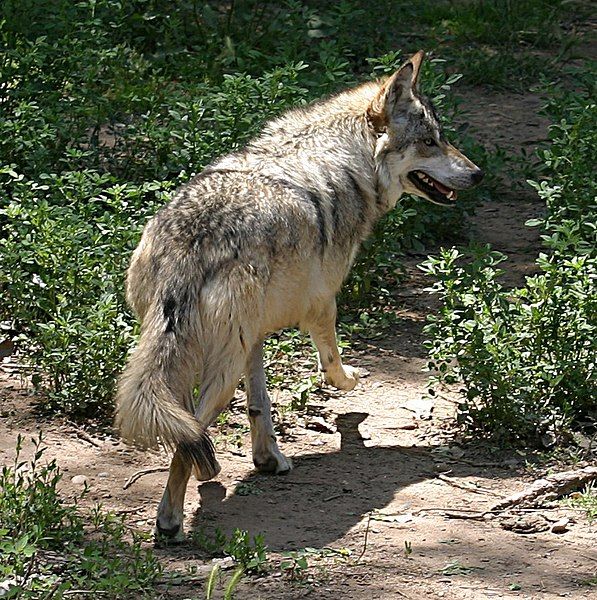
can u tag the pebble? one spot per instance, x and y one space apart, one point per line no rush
79 480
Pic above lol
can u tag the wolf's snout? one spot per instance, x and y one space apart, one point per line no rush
477 176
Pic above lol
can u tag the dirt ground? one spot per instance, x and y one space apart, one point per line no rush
381 488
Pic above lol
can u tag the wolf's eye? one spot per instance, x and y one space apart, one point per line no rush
429 142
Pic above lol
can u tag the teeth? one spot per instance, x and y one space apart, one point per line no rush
451 195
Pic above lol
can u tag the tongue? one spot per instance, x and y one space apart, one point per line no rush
442 188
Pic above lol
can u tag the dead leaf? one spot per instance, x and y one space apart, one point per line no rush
560 526
7 347
319 424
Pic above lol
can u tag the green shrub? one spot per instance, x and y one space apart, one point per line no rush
64 251
48 550
526 357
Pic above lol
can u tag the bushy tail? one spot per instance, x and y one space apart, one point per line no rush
154 402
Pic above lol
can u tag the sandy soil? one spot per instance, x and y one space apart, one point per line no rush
377 470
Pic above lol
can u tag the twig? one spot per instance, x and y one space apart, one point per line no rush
588 557
53 590
73 592
333 497
464 486
366 537
126 511
182 580
489 464
87 438
479 516
549 488
83 435
141 473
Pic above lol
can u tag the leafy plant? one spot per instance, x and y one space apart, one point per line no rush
249 554
108 107
585 500
46 546
526 357
294 565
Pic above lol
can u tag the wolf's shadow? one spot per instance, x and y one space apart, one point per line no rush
323 497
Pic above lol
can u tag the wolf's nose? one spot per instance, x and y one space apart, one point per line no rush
477 176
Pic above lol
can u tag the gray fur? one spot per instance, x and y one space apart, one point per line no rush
263 239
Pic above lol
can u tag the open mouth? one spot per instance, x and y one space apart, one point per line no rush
433 189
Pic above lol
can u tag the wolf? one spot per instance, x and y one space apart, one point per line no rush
260 240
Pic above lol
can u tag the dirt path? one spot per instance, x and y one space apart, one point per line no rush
378 477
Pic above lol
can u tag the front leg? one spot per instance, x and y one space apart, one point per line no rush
323 334
266 454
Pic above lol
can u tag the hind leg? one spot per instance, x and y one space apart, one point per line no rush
171 508
266 454
323 333
217 391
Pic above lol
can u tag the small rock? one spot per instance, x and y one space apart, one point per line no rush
224 563
103 474
532 523
560 526
79 479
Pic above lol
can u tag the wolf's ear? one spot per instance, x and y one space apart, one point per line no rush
395 92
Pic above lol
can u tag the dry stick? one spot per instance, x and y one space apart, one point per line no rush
140 474
470 516
483 465
87 438
588 557
333 497
366 537
401 594
468 513
126 511
464 486
73 592
550 487
83 435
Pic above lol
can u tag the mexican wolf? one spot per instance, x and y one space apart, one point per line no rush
260 240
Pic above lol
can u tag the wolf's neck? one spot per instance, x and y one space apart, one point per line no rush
334 161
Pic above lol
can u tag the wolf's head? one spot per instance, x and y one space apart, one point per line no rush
412 152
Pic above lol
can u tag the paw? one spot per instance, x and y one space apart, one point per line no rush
168 535
272 461
346 379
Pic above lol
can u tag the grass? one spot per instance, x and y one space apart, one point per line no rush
585 500
52 547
